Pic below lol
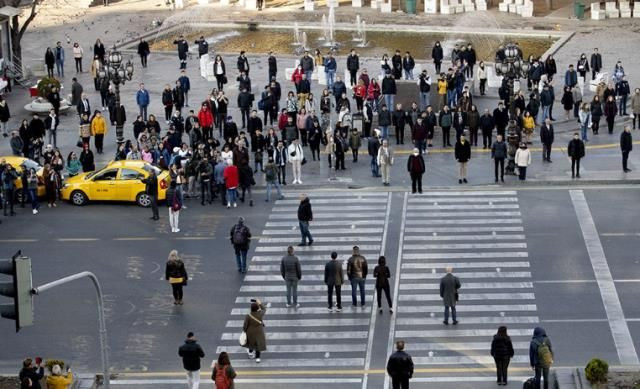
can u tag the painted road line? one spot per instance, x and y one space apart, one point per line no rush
499 254
301 362
141 238
464 379
460 360
463 221
344 255
330 215
564 281
451 333
464 229
334 322
321 209
465 246
333 193
302 299
575 320
300 348
467 214
372 319
396 287
278 278
194 237
422 321
334 202
301 311
619 328
266 381
471 308
620 234
77 239
470 296
378 221
464 265
428 195
327 231
326 239
316 248
466 275
276 268
461 346
426 238
423 200
301 288
19 240
469 285
462 208
289 335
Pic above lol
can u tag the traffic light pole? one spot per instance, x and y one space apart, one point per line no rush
102 328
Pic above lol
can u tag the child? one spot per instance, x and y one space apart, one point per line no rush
354 143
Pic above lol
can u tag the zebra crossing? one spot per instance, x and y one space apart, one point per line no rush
310 336
480 234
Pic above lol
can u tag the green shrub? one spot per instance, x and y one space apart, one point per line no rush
50 362
45 85
596 371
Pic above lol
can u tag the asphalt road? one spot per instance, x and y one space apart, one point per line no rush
543 276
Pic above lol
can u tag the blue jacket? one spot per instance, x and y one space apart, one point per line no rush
55 53
185 83
570 78
142 98
539 336
330 64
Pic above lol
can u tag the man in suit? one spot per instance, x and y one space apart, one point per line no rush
83 106
334 278
546 138
449 285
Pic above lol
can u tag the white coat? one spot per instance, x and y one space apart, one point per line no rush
523 157
298 151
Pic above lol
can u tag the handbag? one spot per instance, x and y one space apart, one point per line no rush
175 204
176 280
79 142
224 79
304 160
243 338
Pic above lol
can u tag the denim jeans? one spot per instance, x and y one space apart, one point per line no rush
241 258
374 166
424 100
385 132
143 112
308 73
408 74
269 186
446 313
304 232
331 75
60 68
292 291
232 195
451 98
583 131
33 196
545 112
389 100
357 283
622 108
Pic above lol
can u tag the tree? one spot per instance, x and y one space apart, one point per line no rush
16 29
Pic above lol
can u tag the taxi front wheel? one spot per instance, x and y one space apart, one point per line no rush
143 200
78 198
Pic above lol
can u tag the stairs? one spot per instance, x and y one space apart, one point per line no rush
17 72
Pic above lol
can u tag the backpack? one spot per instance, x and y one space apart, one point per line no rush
221 380
238 235
270 173
545 358
261 105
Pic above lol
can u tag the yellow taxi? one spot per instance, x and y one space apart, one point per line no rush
20 163
118 181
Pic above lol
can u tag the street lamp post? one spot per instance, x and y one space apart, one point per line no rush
113 71
510 65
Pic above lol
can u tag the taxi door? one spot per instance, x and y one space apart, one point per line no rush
129 185
103 186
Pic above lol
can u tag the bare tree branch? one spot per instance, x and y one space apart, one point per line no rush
29 19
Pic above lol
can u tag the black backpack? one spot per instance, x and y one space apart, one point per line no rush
238 235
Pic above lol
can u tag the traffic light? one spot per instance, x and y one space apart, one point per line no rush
21 310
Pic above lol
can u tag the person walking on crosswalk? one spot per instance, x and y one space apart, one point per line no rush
357 272
291 273
240 236
334 278
540 356
400 367
254 328
191 352
382 274
449 285
305 216
502 352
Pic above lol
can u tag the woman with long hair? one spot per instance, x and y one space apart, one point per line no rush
176 274
502 352
254 328
223 374
220 71
382 274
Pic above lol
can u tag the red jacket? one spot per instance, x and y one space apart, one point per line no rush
297 76
282 121
205 118
373 92
360 91
231 177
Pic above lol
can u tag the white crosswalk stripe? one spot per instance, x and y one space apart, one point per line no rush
480 234
311 336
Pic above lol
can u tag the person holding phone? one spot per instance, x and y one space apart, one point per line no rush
57 381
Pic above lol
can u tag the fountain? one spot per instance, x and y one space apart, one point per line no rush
325 29
296 34
331 21
358 36
303 43
363 35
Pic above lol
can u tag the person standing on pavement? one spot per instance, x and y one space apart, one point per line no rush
271 179
635 107
151 189
183 51
353 65
546 138
295 158
502 352
191 352
231 180
382 274
522 161
499 154
400 367
462 155
385 161
540 356
176 274
334 278
305 216
449 285
626 145
486 126
174 203
596 63
584 117
240 237
59 56
622 91
143 100
416 168
373 145
575 150
292 274
610 112
254 328
30 372
357 270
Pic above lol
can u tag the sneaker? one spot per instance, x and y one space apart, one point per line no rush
464 180
35 211
257 360
250 354
338 309
455 322
299 182
297 305
330 309
228 205
459 181
235 205
380 310
310 242
177 230
391 311
288 305
445 322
